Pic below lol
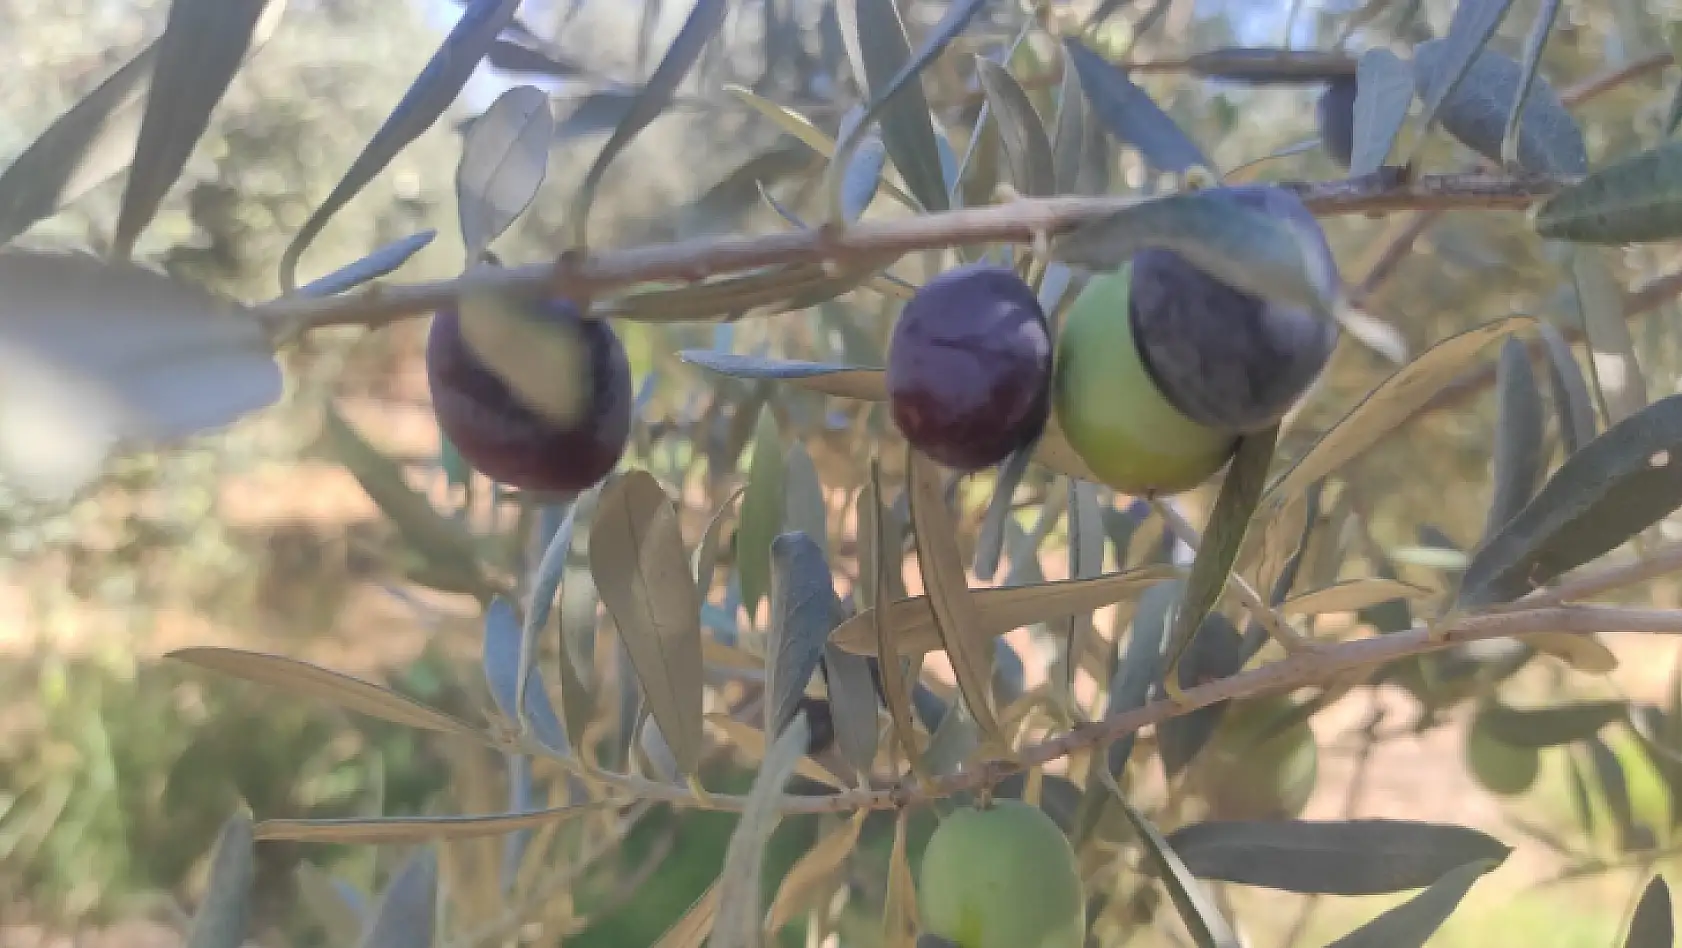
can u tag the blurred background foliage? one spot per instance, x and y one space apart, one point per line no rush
116 770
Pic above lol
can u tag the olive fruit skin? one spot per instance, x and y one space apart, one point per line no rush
1110 408
502 437
969 367
1498 767
1226 359
1334 112
1002 877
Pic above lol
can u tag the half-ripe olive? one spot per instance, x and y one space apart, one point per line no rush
1110 408
1003 876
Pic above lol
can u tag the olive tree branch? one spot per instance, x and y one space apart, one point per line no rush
581 276
1302 669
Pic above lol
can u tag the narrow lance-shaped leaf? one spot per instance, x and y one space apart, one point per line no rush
1440 74
950 599
1392 403
656 94
804 610
899 909
1349 857
1615 487
89 142
224 917
202 46
1653 925
816 866
1570 391
1549 726
408 908
642 574
1533 46
1384 93
515 684
1086 561
1021 132
1612 363
1518 435
1549 141
416 829
876 555
503 163
437 87
1633 200
739 915
763 507
1222 539
807 510
1129 115
382 261
1411 924
1202 917
990 543
691 930
1068 139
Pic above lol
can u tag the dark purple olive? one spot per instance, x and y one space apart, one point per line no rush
969 367
502 437
1335 114
1225 359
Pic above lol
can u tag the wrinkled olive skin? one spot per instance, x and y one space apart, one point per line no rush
1111 410
1002 877
1334 113
969 367
504 439
1224 358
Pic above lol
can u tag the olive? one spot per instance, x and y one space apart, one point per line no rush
503 436
1224 358
1111 410
1334 112
1499 767
1258 766
1002 876
969 367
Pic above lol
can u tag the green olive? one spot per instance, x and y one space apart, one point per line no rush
1499 767
1254 769
1002 877
1112 412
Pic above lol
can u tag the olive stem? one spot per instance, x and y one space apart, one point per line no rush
1277 628
874 242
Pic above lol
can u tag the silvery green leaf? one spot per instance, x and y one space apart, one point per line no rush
503 163
223 918
804 611
1385 93
989 544
1443 64
1612 363
1475 113
436 88
1570 390
807 509
1202 917
764 505
97 358
1411 924
407 913
852 700
1021 131
377 264
1533 46
507 652
1518 435
1633 200
740 905
1128 114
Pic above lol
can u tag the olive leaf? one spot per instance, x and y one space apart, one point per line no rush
705 558
1633 200
1654 923
804 611
852 700
98 359
93 140
1352 595
1127 113
1347 857
1068 138
862 178
1222 539
1473 23
1549 726
807 510
1612 489
1266 65
414 829
438 85
503 163
878 560
1384 85
1518 435
1202 917
989 542
515 684
1391 404
1600 307
223 918
950 600
691 930
335 904
1614 788
1021 132
1534 43
899 909
1001 609
1411 924
1086 561
704 22
203 45
383 260
764 505
865 384
1570 390
739 917
814 867
406 916
642 575
1216 652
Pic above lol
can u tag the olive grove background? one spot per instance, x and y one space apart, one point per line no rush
117 768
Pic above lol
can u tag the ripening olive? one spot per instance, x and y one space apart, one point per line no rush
1334 112
1112 412
1226 359
1002 877
1499 767
503 436
969 367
